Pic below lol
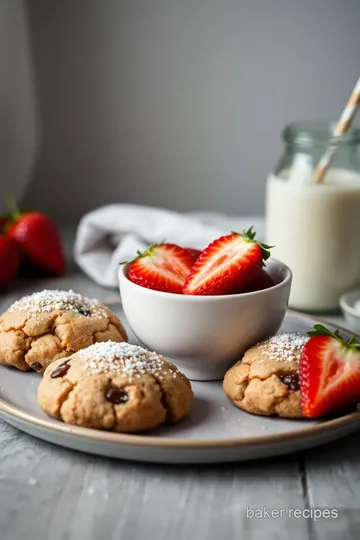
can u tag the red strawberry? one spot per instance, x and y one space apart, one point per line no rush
263 281
228 265
37 239
9 260
329 371
162 267
195 253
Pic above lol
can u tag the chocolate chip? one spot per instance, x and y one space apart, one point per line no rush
291 380
85 311
60 371
116 395
36 366
65 363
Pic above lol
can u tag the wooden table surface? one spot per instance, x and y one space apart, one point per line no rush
50 493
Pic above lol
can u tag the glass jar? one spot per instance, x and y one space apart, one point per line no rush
315 227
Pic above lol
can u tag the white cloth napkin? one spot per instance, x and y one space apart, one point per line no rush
114 233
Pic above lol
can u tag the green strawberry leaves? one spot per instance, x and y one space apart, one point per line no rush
249 236
15 212
140 254
321 330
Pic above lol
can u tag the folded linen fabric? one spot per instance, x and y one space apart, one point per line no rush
114 233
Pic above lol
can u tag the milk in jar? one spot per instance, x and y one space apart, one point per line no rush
315 227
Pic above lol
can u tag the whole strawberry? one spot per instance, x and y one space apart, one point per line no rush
231 264
329 372
37 239
9 260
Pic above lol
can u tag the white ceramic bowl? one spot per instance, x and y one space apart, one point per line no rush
205 335
351 315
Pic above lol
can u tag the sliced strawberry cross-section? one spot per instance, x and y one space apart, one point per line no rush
162 267
230 264
329 371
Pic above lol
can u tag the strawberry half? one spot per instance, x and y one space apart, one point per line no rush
162 267
195 253
228 265
263 281
329 372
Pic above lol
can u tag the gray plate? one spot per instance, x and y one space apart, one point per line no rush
215 431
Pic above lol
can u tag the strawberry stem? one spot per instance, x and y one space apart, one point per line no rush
10 201
321 330
140 254
249 236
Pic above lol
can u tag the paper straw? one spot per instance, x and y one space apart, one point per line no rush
341 127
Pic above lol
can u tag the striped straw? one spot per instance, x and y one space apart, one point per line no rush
341 127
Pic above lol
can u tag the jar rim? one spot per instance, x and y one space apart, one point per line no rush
317 133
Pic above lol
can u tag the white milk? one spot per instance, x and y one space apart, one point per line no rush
316 231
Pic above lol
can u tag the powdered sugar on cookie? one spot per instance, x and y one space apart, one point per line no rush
284 347
122 358
54 300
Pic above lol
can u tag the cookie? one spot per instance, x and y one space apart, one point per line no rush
266 380
115 386
49 325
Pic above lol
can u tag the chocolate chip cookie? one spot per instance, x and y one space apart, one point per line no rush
115 386
266 380
52 324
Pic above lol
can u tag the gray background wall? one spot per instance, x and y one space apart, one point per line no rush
179 103
18 122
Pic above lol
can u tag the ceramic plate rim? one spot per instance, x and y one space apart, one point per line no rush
170 443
